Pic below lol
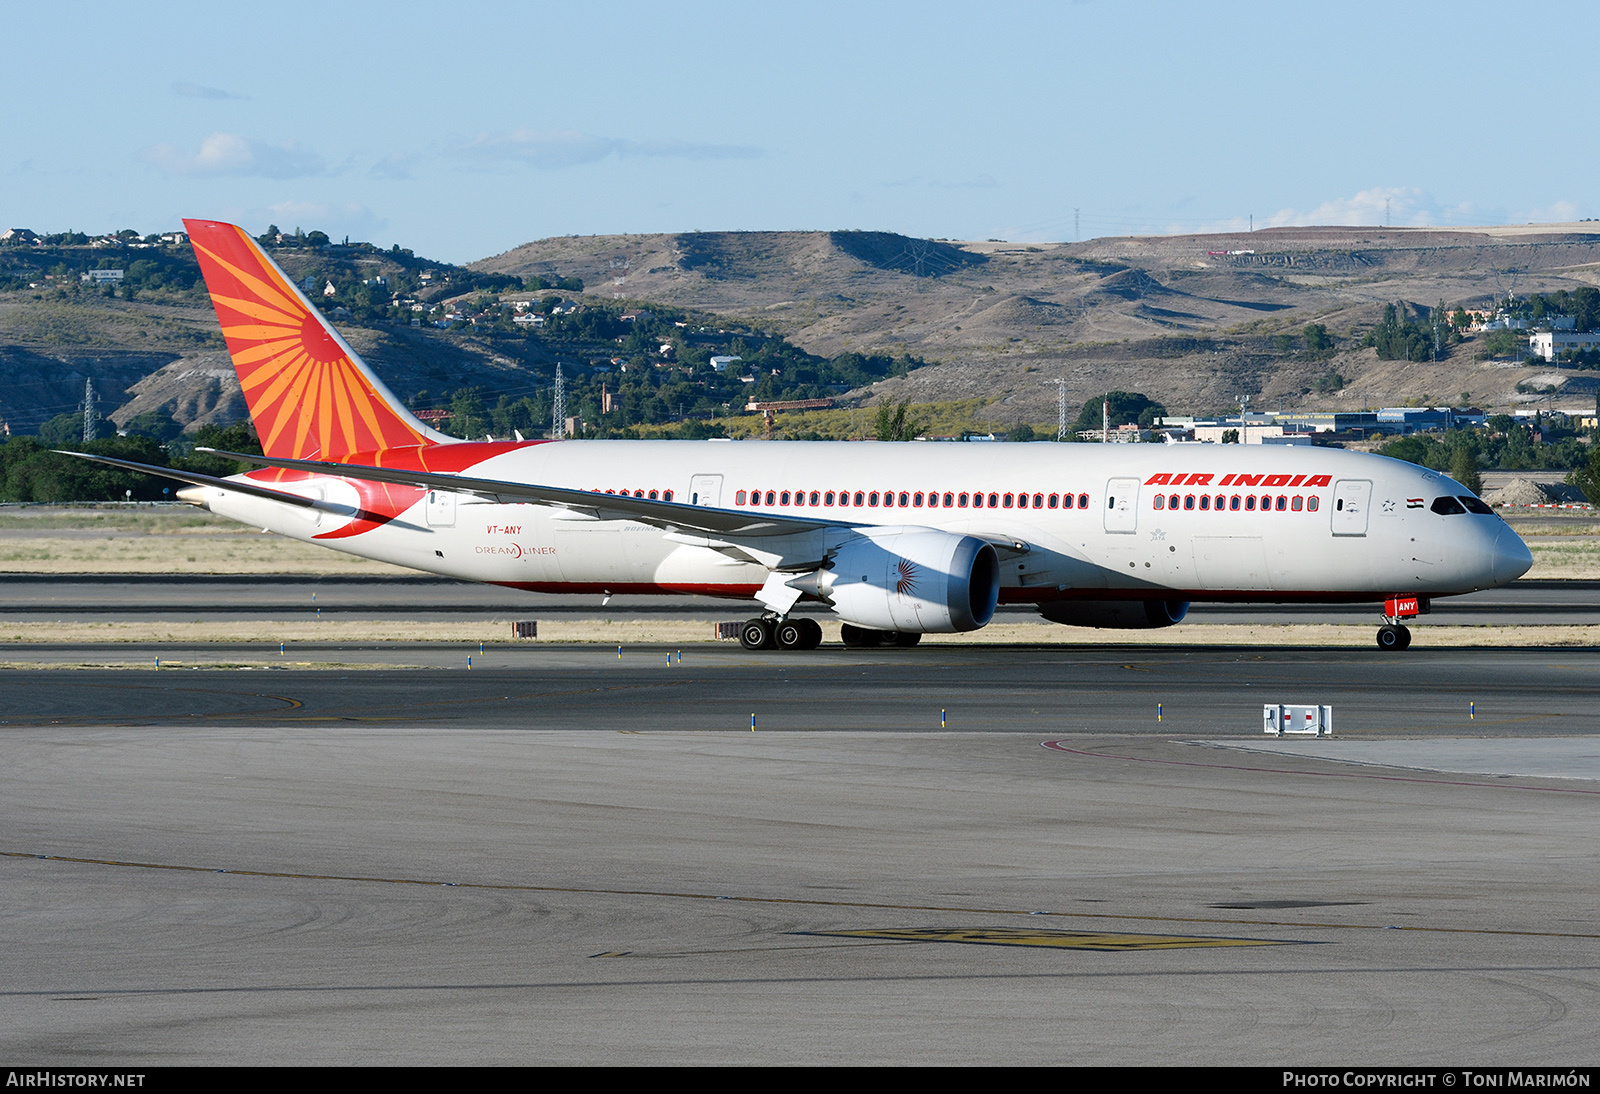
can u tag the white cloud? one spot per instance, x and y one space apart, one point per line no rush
1557 212
338 219
553 150
231 154
200 91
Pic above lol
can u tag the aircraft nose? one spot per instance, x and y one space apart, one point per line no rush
1512 558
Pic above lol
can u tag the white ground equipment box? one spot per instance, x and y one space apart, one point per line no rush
1278 719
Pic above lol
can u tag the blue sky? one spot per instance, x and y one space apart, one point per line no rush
462 132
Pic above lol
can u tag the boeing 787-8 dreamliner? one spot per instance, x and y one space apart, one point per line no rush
896 540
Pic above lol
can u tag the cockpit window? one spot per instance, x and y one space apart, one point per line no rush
1475 505
1446 506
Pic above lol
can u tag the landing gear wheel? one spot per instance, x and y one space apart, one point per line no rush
813 637
756 634
1405 636
790 634
905 641
1391 637
858 638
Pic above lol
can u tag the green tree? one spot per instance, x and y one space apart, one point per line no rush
895 422
1023 432
1125 407
1464 469
1317 338
1587 477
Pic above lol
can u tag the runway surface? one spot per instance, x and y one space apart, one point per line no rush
559 856
112 597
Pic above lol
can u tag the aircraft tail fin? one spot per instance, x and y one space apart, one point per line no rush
309 393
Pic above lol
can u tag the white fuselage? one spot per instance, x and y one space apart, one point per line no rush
1351 526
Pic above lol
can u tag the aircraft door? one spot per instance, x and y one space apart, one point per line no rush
441 509
1122 505
706 490
1351 498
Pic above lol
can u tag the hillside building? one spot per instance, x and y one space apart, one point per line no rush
1549 343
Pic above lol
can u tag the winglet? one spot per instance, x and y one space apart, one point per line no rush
309 393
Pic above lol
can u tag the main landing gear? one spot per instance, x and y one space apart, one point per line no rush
784 634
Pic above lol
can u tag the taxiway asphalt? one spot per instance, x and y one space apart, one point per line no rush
562 856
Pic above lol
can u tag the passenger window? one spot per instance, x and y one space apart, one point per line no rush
1311 504
652 495
827 499
783 498
667 496
1205 501
1172 502
1221 501
1055 500
962 501
1188 501
1296 503
1447 506
859 496
738 499
872 498
994 500
904 498
1250 502
1161 501
949 499
916 499
1008 501
814 497
1038 501
772 498
1283 503
1083 501
1233 503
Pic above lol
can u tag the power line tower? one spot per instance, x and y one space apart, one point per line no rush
558 408
1061 410
91 413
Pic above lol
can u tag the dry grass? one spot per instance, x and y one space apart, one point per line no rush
611 632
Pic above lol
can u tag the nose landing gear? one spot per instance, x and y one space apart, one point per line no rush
1395 635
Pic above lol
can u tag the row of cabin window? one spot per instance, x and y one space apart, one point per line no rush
662 495
1235 503
914 499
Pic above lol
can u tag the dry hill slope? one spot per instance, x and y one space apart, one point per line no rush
1167 315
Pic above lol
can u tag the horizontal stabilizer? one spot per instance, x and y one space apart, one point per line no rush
197 479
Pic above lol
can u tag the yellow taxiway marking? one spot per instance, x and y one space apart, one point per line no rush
1066 940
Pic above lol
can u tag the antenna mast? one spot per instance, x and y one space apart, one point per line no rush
91 414
558 408
1061 410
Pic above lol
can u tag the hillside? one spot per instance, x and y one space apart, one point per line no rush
1165 315
1176 317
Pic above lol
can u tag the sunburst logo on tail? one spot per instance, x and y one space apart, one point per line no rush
907 582
308 392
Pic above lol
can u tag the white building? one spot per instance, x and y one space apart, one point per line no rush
1547 343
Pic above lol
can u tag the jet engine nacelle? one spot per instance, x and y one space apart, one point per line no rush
911 580
1135 615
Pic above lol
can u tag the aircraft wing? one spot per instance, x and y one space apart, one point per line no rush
667 515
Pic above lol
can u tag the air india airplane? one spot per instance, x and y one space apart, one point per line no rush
896 540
